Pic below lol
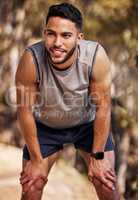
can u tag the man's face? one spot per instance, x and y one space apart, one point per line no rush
61 36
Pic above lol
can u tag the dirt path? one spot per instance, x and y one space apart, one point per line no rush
64 181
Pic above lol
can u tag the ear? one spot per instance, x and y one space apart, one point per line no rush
43 31
80 36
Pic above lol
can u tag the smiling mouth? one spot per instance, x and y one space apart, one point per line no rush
57 52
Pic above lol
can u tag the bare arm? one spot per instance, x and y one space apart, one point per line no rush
26 97
100 92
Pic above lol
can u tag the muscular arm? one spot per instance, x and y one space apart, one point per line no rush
101 170
100 93
26 97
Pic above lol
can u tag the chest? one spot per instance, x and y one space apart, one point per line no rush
66 87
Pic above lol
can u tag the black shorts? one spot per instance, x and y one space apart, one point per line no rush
52 140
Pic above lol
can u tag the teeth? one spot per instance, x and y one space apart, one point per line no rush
58 50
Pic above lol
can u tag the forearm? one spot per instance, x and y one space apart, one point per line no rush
29 131
101 128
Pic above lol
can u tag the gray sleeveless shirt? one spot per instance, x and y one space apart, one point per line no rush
63 96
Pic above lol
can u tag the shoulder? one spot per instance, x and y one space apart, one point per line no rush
87 51
87 44
102 66
26 69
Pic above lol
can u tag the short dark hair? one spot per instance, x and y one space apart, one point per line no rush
67 11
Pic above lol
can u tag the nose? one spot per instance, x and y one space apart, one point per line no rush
58 41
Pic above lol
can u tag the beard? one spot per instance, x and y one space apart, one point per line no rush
68 56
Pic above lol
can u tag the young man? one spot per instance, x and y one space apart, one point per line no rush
63 95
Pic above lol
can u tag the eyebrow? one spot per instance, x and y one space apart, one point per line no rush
66 32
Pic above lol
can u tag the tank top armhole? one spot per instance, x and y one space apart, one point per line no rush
35 63
93 60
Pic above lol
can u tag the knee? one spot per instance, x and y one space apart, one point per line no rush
33 192
104 191
39 184
96 183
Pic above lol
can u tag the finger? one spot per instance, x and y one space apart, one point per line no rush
108 183
90 177
112 173
29 185
22 173
110 177
44 178
90 172
25 180
23 176
109 187
31 182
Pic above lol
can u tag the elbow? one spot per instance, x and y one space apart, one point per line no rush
24 114
104 109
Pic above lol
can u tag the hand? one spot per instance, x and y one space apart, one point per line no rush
102 170
32 172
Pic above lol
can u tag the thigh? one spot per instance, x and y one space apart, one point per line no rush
84 138
109 155
50 159
35 192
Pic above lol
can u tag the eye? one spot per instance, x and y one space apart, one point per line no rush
67 35
50 33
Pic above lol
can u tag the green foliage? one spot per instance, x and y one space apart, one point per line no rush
115 24
124 120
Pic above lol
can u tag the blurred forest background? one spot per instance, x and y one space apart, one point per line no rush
114 23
